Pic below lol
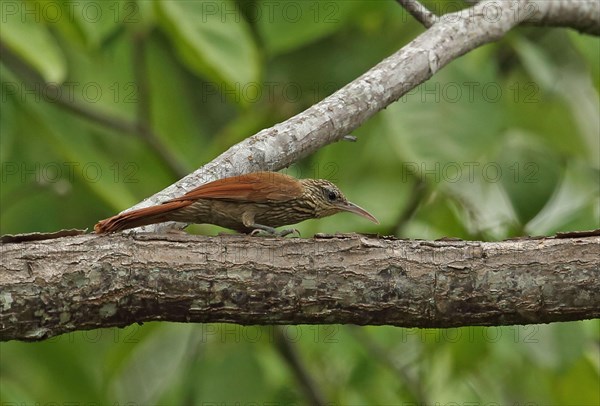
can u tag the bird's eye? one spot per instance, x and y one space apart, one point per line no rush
331 195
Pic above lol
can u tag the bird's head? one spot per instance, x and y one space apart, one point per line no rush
327 199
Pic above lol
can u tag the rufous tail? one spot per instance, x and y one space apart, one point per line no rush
139 217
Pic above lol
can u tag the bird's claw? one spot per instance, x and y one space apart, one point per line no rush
274 233
289 231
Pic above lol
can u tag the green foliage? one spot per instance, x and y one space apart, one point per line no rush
288 25
34 44
211 40
503 142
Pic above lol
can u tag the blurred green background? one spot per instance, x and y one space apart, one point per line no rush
503 142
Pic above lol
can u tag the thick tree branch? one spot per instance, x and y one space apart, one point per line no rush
85 282
338 115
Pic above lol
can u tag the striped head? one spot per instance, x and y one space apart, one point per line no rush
327 199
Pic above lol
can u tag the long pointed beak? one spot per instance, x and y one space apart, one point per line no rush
353 208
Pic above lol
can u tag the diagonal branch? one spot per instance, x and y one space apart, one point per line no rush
85 282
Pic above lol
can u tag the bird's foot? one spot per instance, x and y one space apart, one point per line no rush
259 229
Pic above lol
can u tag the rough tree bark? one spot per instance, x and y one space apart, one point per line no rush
60 285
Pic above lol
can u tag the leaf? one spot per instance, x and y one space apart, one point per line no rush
449 120
211 376
529 173
212 41
587 47
286 25
574 206
566 81
537 62
578 385
173 113
96 20
153 366
33 42
8 123
437 218
79 150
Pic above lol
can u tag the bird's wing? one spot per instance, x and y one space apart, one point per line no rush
254 187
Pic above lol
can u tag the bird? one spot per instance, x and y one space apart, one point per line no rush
253 203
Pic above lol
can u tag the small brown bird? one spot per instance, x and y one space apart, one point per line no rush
246 203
